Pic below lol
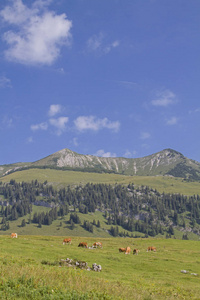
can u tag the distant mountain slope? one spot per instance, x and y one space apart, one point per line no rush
166 162
7 169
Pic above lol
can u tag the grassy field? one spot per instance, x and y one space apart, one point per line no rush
64 178
148 275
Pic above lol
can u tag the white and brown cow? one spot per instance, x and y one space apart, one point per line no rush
13 235
151 249
67 241
128 250
136 251
97 244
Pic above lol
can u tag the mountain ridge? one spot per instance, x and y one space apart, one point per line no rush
165 162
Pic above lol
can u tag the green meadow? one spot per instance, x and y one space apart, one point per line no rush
148 275
61 179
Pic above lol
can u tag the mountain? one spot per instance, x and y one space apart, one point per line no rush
165 162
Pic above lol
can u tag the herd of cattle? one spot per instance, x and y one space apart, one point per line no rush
126 250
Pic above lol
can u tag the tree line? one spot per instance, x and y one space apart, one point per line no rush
141 209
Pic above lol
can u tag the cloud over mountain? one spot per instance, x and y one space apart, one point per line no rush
83 123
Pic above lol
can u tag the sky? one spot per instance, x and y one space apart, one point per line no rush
112 78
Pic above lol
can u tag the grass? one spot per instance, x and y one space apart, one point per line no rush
64 178
144 276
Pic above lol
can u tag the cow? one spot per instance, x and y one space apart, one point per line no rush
97 244
151 249
13 235
82 244
122 250
136 251
128 250
67 241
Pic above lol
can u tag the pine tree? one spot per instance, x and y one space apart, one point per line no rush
23 224
72 225
171 230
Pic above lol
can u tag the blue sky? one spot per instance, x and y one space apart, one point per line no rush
101 77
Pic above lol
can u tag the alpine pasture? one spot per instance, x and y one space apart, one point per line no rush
30 269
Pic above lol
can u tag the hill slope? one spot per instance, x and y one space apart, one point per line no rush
166 162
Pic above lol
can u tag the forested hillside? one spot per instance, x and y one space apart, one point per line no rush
135 209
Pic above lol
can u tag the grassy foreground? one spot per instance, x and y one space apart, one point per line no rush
148 275
62 179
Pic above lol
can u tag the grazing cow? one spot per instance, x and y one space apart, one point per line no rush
97 244
128 250
67 241
151 249
122 249
82 244
13 235
136 251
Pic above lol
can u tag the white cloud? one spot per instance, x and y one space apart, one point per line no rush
42 3
145 135
5 82
54 109
92 123
172 121
7 122
102 153
129 154
108 48
30 140
127 84
61 70
41 126
197 110
75 141
38 34
115 44
96 43
164 98
60 124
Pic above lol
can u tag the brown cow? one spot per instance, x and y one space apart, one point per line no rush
122 249
136 251
97 244
82 244
128 250
13 235
67 241
151 249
